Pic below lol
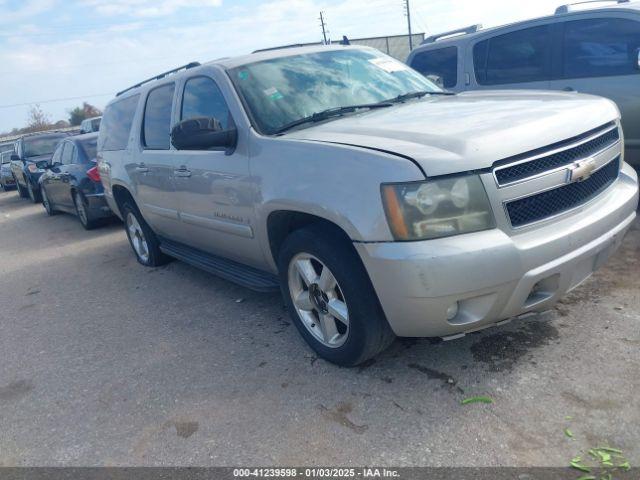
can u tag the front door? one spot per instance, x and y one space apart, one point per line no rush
216 198
152 171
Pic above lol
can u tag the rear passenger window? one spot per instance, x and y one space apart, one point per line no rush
67 153
203 98
116 124
442 62
157 118
601 47
517 57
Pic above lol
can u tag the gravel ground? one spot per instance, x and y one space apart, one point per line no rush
105 362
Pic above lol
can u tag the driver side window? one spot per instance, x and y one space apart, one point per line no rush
57 155
68 153
203 98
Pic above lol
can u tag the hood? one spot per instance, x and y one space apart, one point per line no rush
468 131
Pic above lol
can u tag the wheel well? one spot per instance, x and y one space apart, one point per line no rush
121 194
282 223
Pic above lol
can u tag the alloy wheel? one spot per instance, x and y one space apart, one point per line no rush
137 238
318 300
82 211
45 201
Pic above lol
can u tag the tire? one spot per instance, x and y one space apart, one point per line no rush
367 331
46 203
144 242
34 194
81 212
21 191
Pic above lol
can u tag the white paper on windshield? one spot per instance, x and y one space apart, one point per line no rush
389 64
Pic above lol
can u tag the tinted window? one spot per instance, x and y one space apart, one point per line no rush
202 98
442 63
68 153
157 118
57 155
89 147
116 126
522 56
601 47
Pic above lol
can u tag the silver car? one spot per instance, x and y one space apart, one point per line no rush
378 203
595 51
7 182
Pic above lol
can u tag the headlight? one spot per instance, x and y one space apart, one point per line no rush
437 208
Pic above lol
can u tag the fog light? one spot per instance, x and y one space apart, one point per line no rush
452 311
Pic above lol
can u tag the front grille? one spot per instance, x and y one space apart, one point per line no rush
524 170
552 202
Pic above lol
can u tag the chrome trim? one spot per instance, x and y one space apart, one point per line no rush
553 152
564 212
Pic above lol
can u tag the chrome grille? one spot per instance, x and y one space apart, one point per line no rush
547 204
515 172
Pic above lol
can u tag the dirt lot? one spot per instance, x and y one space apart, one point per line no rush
105 362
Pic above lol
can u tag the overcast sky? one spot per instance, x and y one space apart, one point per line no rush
63 49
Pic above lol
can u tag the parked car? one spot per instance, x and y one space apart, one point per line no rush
90 125
7 181
71 181
378 203
31 150
594 51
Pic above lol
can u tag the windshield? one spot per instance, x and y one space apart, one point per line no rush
283 90
5 157
34 147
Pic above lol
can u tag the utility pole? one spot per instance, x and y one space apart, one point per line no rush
323 24
408 13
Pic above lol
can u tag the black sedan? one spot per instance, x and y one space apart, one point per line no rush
71 182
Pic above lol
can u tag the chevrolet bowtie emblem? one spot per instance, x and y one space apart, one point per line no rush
580 171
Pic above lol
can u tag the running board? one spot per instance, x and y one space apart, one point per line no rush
249 277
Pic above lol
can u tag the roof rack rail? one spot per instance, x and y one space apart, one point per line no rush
282 47
451 33
566 8
158 77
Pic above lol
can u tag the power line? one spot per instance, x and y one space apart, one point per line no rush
53 100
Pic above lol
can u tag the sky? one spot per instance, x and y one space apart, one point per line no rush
59 53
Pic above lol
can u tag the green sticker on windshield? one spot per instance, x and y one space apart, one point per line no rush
273 93
243 74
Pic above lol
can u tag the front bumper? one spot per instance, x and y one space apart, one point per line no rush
494 276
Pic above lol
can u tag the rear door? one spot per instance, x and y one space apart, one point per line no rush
599 55
519 59
153 172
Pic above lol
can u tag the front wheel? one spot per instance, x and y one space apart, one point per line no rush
330 297
34 194
21 191
143 240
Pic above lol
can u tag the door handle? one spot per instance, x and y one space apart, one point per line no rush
141 168
568 89
182 172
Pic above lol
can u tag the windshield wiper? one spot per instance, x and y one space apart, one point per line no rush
329 113
419 94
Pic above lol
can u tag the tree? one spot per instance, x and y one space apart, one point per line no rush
78 114
37 120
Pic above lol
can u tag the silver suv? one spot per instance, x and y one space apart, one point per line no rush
378 203
595 51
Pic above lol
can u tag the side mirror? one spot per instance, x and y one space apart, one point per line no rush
43 164
15 157
637 59
203 133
